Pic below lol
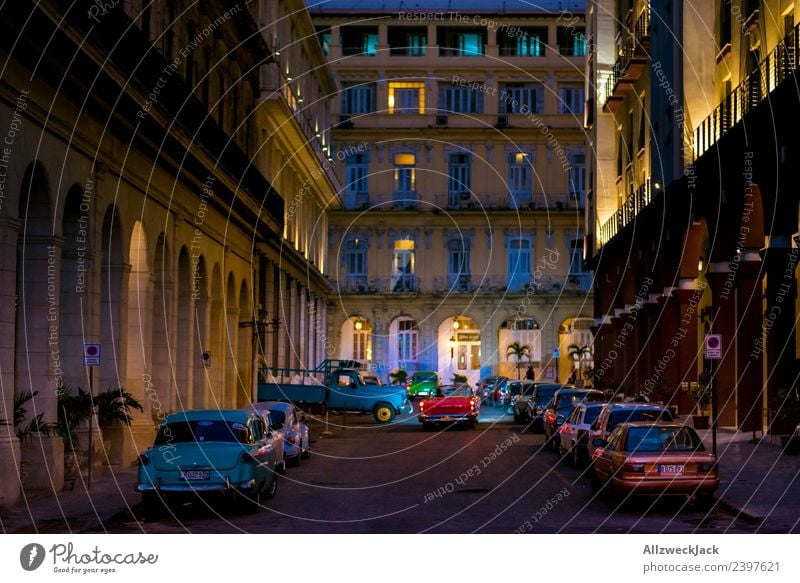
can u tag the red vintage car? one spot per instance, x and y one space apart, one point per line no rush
452 404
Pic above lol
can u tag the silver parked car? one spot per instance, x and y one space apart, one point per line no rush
285 420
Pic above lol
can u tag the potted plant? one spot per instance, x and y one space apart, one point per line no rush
700 395
74 407
787 419
459 378
32 449
114 407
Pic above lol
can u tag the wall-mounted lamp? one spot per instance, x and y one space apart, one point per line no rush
700 265
452 346
455 324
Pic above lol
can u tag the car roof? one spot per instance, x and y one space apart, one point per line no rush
273 406
654 424
239 415
632 405
425 372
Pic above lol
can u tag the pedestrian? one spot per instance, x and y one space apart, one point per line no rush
529 374
572 378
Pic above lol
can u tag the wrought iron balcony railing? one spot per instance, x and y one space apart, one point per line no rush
633 205
633 53
774 69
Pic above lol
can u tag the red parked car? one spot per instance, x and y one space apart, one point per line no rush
452 403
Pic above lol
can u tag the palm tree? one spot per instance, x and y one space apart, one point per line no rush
518 351
578 353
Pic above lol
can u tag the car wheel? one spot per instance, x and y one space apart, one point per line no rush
383 413
306 454
273 487
472 423
294 461
576 456
517 417
562 453
703 502
251 502
426 426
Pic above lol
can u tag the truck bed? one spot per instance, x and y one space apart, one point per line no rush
289 392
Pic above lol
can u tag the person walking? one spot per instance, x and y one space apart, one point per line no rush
529 374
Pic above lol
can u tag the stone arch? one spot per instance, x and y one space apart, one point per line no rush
140 310
215 344
459 348
244 361
159 385
113 282
231 340
76 264
38 290
184 346
528 332
356 339
404 340
200 332
574 330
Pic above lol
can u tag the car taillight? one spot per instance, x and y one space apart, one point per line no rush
707 467
247 458
143 459
632 468
421 406
550 418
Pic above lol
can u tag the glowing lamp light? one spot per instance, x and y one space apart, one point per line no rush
359 325
455 324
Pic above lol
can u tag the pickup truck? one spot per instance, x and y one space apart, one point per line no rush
344 389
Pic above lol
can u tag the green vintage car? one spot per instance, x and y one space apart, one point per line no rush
422 383
210 451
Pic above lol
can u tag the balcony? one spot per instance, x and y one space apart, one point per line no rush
404 199
356 200
778 66
404 282
354 283
625 214
466 202
631 64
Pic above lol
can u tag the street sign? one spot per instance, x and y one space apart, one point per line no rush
91 354
556 353
713 346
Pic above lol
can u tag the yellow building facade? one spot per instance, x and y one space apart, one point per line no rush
458 141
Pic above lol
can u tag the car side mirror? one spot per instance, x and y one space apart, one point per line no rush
598 442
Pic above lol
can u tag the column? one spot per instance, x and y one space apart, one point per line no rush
722 281
750 316
685 343
302 331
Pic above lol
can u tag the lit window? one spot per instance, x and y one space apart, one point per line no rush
406 97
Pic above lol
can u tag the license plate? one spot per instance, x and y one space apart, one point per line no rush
195 475
448 418
671 470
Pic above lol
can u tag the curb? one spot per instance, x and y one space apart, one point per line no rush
738 512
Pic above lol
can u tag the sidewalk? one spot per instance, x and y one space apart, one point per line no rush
73 510
757 480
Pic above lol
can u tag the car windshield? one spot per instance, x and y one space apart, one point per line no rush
202 431
421 377
638 414
545 392
523 389
278 417
569 400
662 439
591 414
458 392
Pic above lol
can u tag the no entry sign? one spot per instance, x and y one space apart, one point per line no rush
713 346
91 354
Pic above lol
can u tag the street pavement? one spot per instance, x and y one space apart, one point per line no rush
497 478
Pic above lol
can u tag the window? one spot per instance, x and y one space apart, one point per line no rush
572 41
459 179
519 263
404 175
324 37
358 98
356 189
407 41
407 97
403 266
407 337
460 99
362 340
355 259
576 257
359 40
458 271
577 175
524 42
570 100
521 98
519 178
461 41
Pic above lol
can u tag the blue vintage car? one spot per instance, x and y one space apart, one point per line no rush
231 452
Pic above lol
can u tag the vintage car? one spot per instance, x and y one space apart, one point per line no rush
422 383
371 379
213 451
656 459
285 421
452 403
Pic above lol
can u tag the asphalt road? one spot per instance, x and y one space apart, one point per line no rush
497 478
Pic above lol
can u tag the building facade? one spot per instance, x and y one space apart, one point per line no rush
148 204
692 216
458 140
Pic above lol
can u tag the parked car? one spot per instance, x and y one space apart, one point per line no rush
532 410
423 383
492 389
371 379
210 451
284 417
559 407
655 459
617 412
518 392
452 403
574 432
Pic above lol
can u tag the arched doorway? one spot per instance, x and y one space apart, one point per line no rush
231 339
184 347
73 304
218 396
114 273
526 332
404 344
159 385
576 348
202 361
459 348
138 331
357 339
244 351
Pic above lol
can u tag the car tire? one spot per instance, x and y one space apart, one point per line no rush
517 417
426 426
383 413
251 503
306 454
703 502
472 423
576 456
295 461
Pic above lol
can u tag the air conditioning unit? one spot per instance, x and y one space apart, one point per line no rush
502 121
441 120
